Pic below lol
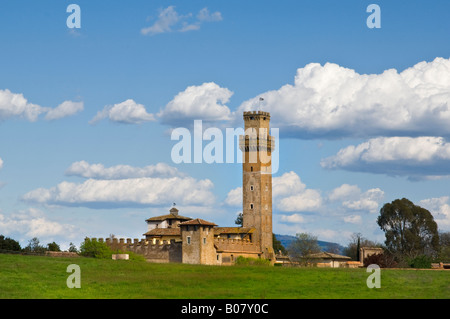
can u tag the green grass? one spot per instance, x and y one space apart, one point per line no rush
44 277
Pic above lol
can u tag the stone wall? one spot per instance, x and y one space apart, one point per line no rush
160 252
236 245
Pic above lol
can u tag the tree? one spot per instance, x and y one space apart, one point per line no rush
444 243
73 248
356 241
410 230
239 220
9 244
53 247
94 248
304 245
34 246
277 246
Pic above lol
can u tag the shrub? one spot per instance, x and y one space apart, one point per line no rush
422 261
382 260
7 243
93 248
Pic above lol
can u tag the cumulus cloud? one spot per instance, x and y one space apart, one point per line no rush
33 223
418 157
353 199
440 209
289 194
332 101
169 20
127 112
234 197
204 102
99 171
13 105
65 109
131 192
294 219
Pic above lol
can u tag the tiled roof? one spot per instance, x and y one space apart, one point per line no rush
197 221
168 216
164 232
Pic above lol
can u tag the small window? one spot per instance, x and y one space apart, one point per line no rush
251 168
217 257
251 187
204 240
188 240
251 206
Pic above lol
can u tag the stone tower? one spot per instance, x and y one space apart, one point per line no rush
256 146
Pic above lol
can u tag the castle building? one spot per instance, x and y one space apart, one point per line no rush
175 238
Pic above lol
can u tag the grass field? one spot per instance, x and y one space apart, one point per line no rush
31 277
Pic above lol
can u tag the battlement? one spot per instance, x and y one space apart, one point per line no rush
162 251
249 114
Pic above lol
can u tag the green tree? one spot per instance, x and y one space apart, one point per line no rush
356 241
94 248
34 246
53 247
277 246
239 220
410 230
302 247
9 244
444 243
73 248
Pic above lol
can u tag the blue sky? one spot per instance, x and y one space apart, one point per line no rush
86 113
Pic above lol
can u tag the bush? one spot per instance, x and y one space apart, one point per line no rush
382 260
7 243
96 249
422 261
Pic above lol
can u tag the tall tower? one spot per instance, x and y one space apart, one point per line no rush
256 146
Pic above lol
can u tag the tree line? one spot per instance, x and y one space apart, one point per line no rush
34 246
412 239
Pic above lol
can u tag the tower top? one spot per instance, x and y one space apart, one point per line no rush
256 114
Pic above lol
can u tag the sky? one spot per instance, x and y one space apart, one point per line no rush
90 96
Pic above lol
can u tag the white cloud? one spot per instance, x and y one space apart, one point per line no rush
332 101
126 193
353 199
204 102
65 109
99 171
344 191
169 20
127 112
353 219
14 105
234 197
205 15
1 163
440 209
309 200
294 218
33 223
418 157
288 192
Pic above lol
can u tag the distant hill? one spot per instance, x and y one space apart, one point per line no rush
324 245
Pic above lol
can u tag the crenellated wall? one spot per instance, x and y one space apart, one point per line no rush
160 252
